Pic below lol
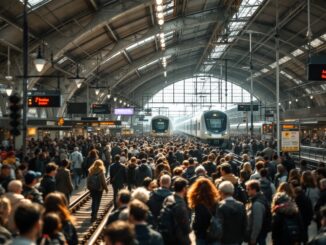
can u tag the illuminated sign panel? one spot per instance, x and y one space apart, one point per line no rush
317 72
124 111
43 99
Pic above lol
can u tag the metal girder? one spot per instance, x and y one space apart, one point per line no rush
172 25
123 73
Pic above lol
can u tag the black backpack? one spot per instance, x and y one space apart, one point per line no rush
266 189
291 229
166 223
93 182
240 193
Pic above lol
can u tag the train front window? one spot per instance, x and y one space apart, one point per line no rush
160 126
214 123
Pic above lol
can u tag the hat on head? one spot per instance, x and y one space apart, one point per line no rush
31 175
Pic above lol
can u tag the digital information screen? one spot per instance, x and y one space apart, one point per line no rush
124 111
101 109
43 99
76 108
317 72
242 107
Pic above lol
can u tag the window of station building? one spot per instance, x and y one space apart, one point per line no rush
192 95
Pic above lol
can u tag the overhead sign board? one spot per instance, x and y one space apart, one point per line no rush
76 108
246 107
101 109
124 111
44 98
317 72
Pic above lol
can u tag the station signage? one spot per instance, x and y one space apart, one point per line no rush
101 109
43 99
246 107
290 138
317 72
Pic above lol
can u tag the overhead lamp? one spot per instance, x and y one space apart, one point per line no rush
159 2
311 97
124 103
39 61
160 22
108 96
115 99
165 73
279 103
160 15
8 91
97 91
120 101
159 8
164 59
163 45
308 107
128 105
296 100
162 35
78 82
164 65
8 76
290 102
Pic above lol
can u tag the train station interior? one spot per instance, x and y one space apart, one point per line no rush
222 72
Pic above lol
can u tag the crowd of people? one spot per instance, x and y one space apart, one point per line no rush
164 189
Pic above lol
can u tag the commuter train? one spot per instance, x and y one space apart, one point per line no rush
210 126
262 130
161 126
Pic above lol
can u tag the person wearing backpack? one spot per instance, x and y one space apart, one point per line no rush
266 186
203 199
174 219
258 214
287 227
232 214
157 197
143 171
96 184
226 172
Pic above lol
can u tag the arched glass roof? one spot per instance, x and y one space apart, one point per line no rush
192 95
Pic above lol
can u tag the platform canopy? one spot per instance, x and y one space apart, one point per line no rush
118 47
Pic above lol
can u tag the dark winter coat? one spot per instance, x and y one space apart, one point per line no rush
48 185
234 221
147 236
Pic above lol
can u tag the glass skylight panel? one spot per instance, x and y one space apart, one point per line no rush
297 52
273 65
34 4
323 37
316 42
246 10
284 59
323 86
63 59
264 70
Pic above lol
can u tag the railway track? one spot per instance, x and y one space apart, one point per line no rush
90 232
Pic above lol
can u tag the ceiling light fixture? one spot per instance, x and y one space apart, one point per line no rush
115 99
97 91
8 76
296 100
311 97
160 15
160 22
159 8
8 91
39 61
159 2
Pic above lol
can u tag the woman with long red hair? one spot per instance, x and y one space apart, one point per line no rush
203 199
56 202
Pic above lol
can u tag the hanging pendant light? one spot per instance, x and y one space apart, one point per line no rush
8 91
8 76
39 61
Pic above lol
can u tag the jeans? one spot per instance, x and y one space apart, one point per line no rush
96 200
77 176
115 195
203 242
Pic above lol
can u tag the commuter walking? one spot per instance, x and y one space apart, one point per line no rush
48 183
117 177
89 160
56 202
76 159
203 199
120 232
29 189
63 179
233 216
258 213
287 227
96 184
5 209
174 219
